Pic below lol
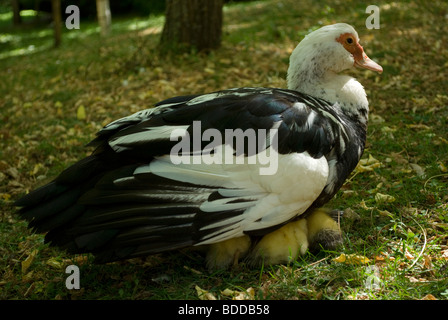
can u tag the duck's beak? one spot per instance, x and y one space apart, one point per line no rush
363 61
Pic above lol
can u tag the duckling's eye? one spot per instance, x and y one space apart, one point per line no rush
349 40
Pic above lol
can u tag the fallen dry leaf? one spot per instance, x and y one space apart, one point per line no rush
28 261
375 118
81 113
418 169
367 165
444 254
429 297
77 260
55 263
351 259
442 166
408 255
363 205
418 126
385 213
204 294
5 197
384 198
249 294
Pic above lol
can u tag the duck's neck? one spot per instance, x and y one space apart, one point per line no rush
344 90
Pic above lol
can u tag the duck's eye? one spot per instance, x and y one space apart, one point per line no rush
349 40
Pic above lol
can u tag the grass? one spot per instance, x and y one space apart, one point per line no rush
395 204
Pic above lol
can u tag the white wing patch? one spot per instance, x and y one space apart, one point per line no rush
141 115
299 106
310 119
203 98
147 135
267 200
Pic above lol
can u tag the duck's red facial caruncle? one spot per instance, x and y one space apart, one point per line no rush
351 44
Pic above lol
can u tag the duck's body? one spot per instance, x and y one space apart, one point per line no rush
135 195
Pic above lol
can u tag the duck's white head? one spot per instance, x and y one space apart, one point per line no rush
318 59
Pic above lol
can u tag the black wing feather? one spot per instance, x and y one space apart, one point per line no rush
99 205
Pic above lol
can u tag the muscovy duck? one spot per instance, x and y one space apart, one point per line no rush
168 178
